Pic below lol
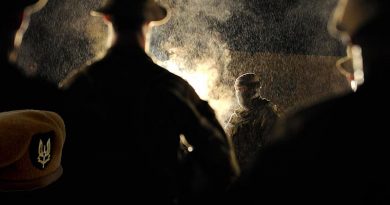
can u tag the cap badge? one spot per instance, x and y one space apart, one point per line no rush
44 153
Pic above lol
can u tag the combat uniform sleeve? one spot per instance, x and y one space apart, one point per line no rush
229 127
271 117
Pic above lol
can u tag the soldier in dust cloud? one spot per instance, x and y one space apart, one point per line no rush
336 151
250 125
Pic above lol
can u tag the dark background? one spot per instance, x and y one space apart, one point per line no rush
285 42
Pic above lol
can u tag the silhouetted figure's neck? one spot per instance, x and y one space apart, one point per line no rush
127 38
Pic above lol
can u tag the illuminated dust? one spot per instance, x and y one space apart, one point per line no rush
207 42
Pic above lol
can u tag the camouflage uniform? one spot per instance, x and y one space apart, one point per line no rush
336 150
249 129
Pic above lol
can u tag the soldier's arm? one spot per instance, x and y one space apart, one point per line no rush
229 127
270 118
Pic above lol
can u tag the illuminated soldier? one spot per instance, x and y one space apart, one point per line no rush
336 151
126 117
249 126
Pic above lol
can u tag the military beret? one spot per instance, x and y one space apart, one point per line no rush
31 143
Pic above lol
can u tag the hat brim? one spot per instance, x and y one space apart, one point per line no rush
153 12
156 13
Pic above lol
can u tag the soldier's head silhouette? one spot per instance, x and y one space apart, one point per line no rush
146 10
133 16
16 7
12 15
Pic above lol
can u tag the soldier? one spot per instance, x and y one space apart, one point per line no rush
17 90
336 151
126 116
250 125
31 141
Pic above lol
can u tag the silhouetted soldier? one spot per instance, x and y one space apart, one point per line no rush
18 91
30 140
249 126
337 151
126 116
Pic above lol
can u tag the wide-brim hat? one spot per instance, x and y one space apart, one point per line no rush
150 10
